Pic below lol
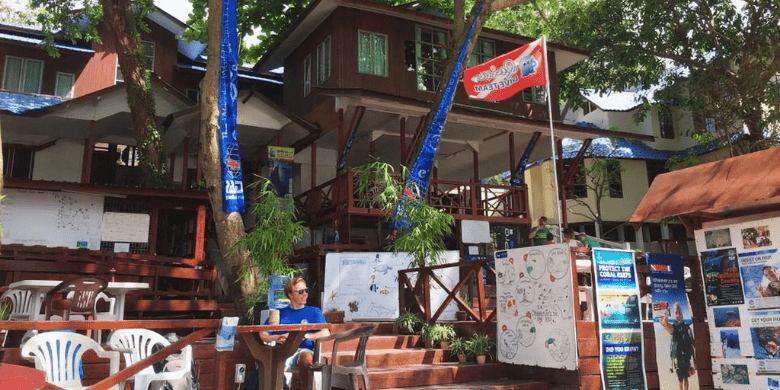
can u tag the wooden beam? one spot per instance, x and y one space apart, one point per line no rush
511 152
340 133
357 117
185 162
568 175
313 181
89 146
200 235
416 140
402 131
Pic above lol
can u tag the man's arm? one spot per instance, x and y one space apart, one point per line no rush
664 321
279 338
533 232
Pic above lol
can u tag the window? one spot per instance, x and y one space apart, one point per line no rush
22 74
666 122
711 125
372 53
323 61
535 95
431 53
18 162
307 75
614 177
578 187
193 94
484 50
148 49
655 168
64 87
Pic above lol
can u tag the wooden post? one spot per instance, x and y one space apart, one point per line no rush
313 182
200 235
512 164
172 168
402 125
341 134
185 163
89 146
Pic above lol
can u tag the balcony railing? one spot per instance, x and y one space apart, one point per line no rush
463 200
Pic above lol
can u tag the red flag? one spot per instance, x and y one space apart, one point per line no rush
504 76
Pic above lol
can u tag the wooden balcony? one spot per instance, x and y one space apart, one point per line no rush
463 200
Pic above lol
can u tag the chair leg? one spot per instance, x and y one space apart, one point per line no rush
353 379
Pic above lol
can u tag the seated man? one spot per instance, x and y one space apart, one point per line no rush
298 313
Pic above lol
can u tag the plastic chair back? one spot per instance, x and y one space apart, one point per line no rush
138 344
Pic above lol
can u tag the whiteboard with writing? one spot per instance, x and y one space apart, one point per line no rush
51 218
365 284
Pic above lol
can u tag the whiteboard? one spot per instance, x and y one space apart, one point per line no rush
51 218
365 284
125 227
535 319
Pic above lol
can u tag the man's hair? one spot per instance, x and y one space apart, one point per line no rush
568 232
543 218
288 288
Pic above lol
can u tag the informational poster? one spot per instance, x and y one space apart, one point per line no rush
673 323
365 284
745 333
535 320
721 277
620 324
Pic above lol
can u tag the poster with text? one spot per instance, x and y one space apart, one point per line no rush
620 324
758 270
722 283
365 284
535 319
672 322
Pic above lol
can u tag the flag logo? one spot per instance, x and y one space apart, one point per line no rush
504 76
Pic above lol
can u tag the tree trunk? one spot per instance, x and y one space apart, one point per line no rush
229 226
121 26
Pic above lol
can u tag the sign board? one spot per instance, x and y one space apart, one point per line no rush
125 227
535 319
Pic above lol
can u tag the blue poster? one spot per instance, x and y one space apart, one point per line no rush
620 321
229 155
622 363
673 322
722 284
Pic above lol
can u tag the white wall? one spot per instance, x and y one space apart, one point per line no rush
326 168
59 162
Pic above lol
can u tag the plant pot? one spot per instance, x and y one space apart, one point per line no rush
481 359
334 317
462 358
461 315
444 344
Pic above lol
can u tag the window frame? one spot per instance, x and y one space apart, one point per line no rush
68 95
9 159
372 55
437 63
666 122
22 74
479 54
324 58
615 186
307 75
119 78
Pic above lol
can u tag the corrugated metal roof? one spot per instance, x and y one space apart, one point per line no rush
37 41
241 75
19 103
741 182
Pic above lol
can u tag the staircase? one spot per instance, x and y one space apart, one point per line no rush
400 363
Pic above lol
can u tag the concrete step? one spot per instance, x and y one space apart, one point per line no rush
396 357
495 384
433 374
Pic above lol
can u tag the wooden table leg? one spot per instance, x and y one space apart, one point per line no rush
271 359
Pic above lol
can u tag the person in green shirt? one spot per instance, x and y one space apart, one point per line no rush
539 233
589 242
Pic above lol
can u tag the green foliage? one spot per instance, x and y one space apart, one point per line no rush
408 322
272 239
481 345
437 333
5 308
423 236
376 185
459 346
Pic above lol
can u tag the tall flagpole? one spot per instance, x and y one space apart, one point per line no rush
552 139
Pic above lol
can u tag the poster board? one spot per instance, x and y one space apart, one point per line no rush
52 218
125 227
365 284
620 325
535 319
740 267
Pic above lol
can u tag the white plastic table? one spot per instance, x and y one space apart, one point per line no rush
40 288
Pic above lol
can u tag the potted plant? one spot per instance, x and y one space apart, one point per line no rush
407 323
437 334
480 345
334 316
460 348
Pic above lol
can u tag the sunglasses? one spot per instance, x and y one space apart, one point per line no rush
303 290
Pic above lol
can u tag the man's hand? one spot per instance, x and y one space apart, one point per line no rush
281 338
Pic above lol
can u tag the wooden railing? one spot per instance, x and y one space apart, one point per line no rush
417 297
463 200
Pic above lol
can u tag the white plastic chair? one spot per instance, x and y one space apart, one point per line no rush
21 304
59 355
137 344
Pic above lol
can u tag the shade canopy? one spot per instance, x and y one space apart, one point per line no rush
716 190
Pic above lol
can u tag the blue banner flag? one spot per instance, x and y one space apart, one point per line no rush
229 155
420 173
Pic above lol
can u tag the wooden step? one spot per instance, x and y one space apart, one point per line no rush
396 357
495 384
433 374
377 342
